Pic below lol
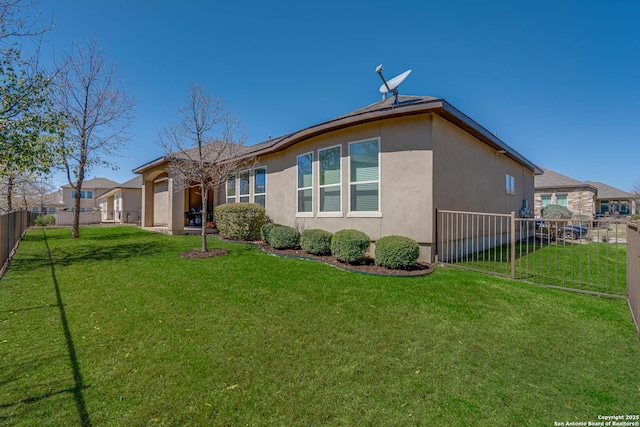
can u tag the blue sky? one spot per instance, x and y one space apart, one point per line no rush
557 80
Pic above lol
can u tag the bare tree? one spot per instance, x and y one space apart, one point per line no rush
205 147
97 111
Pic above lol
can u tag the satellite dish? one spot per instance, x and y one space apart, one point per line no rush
391 85
394 82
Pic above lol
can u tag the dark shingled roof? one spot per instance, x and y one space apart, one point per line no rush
608 192
552 179
96 183
381 110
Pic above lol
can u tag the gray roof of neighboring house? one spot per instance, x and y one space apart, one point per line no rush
552 179
103 183
606 191
381 110
132 183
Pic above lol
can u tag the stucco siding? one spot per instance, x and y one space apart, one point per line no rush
405 180
471 176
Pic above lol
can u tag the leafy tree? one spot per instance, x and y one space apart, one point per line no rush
28 121
97 112
205 147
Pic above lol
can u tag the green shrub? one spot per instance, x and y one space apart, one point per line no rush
45 220
317 242
266 229
349 245
283 237
396 252
556 212
636 217
241 221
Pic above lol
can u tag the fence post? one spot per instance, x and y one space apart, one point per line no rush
513 245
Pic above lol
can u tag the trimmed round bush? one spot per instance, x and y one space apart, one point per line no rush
396 252
283 237
266 229
241 221
350 245
317 242
556 212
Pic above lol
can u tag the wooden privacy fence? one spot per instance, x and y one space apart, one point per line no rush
633 272
579 255
12 226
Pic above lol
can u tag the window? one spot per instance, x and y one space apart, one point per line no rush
36 210
330 194
546 200
511 184
73 194
231 189
244 187
82 194
562 200
89 194
364 177
305 183
260 186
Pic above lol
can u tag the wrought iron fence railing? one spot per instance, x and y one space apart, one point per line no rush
581 255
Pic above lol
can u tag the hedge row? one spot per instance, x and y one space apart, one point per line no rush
349 246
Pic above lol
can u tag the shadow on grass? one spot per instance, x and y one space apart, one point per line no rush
75 367
88 252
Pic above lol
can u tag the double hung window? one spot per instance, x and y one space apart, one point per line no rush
260 186
305 183
364 176
330 179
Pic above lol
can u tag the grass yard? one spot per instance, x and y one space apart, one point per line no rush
589 266
117 329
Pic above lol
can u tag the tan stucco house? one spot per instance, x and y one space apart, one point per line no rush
384 169
586 199
91 190
122 204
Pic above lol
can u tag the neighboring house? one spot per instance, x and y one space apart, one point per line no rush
48 204
91 189
384 169
123 203
585 199
612 201
552 188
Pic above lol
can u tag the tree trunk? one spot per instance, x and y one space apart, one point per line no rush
75 229
9 193
205 204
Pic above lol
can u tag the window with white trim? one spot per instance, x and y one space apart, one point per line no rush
260 186
510 184
243 186
364 176
231 189
330 179
305 183
545 200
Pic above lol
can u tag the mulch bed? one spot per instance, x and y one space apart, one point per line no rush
367 266
198 254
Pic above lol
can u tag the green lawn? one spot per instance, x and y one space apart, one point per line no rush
119 330
588 266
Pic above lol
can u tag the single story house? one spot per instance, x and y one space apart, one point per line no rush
91 189
384 169
613 201
122 204
586 199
